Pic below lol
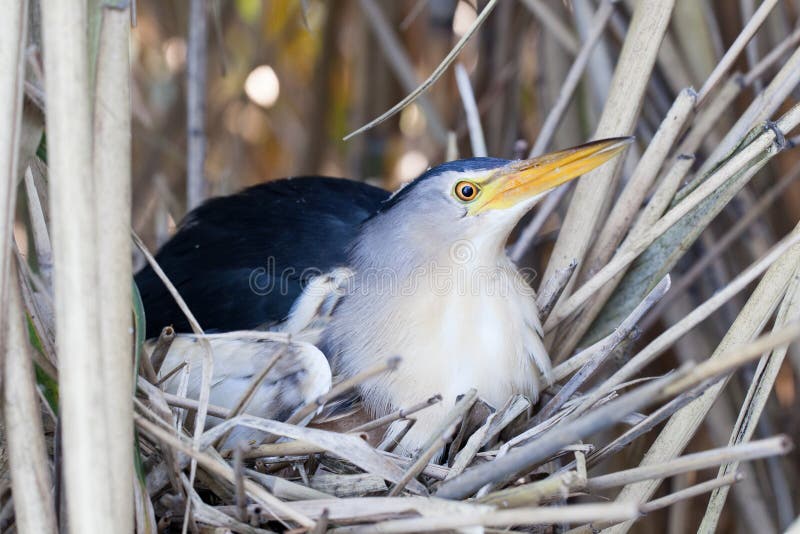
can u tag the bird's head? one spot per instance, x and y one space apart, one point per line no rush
480 200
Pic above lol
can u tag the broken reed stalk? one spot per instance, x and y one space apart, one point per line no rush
593 193
402 413
758 149
161 348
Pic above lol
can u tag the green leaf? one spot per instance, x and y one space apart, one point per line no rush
46 383
139 328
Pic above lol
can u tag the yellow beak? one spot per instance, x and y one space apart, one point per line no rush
525 179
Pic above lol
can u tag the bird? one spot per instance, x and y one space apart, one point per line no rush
421 273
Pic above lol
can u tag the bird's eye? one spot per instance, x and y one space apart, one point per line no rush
466 191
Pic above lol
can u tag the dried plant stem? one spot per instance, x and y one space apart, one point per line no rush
196 73
160 350
602 351
691 491
207 354
682 426
39 231
756 398
736 48
758 148
191 404
640 183
604 347
471 109
693 462
370 7
668 338
553 23
552 288
403 413
13 39
222 470
719 246
594 190
24 435
437 440
576 513
529 454
556 113
343 387
112 184
87 444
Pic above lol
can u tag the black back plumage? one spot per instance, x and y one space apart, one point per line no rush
240 261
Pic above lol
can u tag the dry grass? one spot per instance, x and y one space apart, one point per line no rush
644 298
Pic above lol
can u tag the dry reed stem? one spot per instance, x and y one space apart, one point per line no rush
671 499
39 231
349 447
344 386
221 469
374 15
30 474
756 398
196 79
666 339
735 49
402 413
551 289
603 348
645 426
763 107
594 190
682 426
87 447
627 205
576 513
552 23
437 440
161 348
529 454
112 186
692 491
556 113
758 148
722 244
694 462
476 138
207 355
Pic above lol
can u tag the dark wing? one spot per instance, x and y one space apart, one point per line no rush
240 261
